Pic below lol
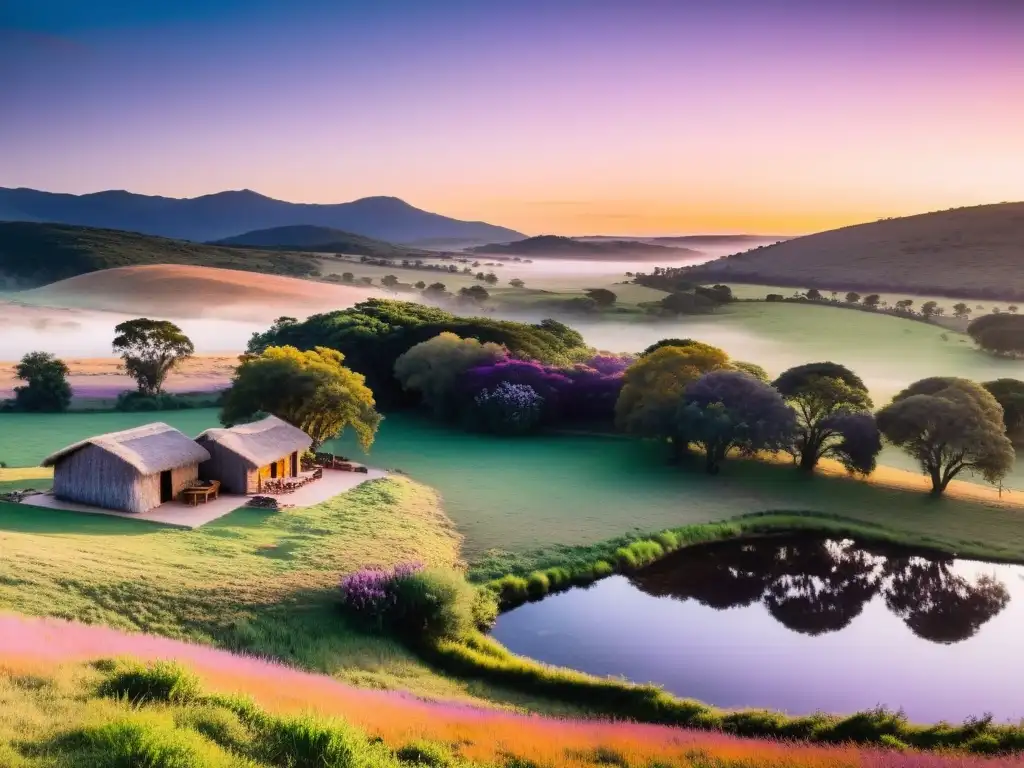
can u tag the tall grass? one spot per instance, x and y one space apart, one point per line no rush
57 720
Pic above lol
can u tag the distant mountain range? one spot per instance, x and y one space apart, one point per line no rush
555 247
226 214
962 252
304 237
694 241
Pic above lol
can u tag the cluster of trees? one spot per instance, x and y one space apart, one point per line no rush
873 301
690 393
375 333
149 351
693 300
482 386
999 333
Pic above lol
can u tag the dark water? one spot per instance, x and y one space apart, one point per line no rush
797 624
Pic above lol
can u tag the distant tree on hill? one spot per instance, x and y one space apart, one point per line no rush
961 310
928 308
774 297
601 296
435 291
949 425
347 277
872 300
389 281
46 384
515 282
1012 309
904 305
151 349
475 293
1009 393
833 411
720 294
687 304
311 390
366 280
1001 334
813 294
420 284
852 297
725 410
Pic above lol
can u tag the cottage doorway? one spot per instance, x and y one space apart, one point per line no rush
166 487
295 464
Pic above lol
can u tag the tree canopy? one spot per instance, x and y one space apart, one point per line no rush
46 384
150 349
1009 393
833 413
310 389
1002 334
375 333
653 387
725 410
949 425
433 367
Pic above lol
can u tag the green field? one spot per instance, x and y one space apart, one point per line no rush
525 494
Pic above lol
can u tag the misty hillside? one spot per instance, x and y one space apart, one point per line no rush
33 255
555 247
225 214
967 252
321 239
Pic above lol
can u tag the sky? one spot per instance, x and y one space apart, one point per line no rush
548 116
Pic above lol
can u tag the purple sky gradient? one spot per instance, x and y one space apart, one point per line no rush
566 116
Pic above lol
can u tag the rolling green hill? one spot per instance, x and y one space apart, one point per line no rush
305 237
973 252
556 247
34 254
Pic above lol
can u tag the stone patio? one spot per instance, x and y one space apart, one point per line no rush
333 483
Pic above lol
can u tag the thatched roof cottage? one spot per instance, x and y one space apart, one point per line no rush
131 471
244 456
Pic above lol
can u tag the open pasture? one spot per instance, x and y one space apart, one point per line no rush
536 492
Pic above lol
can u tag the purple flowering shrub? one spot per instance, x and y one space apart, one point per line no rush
372 592
586 392
508 409
418 604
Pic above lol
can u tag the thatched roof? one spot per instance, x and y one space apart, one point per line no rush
260 442
150 448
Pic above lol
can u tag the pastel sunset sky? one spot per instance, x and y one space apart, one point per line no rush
563 116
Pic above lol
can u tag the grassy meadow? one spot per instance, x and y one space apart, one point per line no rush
255 581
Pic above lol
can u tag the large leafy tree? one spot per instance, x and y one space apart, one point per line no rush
46 383
653 387
834 418
949 425
150 349
725 410
433 367
311 390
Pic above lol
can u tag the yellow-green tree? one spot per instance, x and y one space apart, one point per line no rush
652 389
311 390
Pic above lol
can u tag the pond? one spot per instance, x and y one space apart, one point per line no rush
797 624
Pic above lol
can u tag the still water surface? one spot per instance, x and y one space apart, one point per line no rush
797 624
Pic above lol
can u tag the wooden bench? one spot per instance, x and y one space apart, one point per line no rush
192 494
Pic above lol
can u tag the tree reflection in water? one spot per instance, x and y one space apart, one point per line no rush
817 586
